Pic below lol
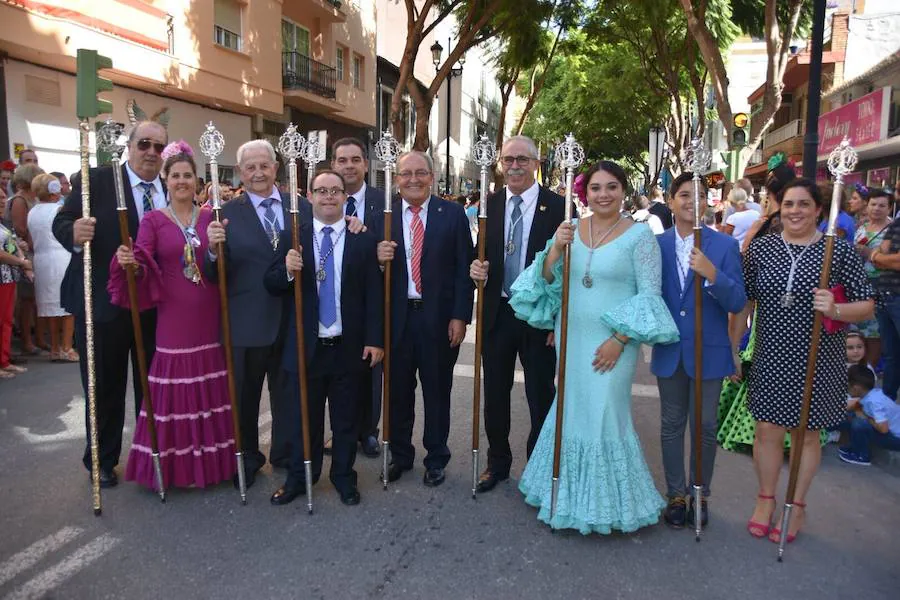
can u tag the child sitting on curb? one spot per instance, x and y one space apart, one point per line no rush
876 419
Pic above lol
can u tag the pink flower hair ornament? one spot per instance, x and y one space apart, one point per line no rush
579 188
179 147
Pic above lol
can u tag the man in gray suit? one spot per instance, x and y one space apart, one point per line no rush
253 222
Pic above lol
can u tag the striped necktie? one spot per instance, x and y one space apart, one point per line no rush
147 198
417 233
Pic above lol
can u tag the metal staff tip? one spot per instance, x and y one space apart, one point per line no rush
212 142
696 157
842 160
110 139
291 144
388 150
569 156
484 153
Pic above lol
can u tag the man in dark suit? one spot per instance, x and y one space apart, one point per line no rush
113 333
343 327
658 207
431 303
349 158
520 219
253 223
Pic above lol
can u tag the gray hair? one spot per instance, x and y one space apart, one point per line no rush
256 145
427 158
738 196
532 147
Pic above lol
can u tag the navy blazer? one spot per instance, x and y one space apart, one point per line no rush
374 212
447 290
362 297
107 239
726 295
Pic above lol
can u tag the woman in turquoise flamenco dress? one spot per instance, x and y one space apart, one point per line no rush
615 304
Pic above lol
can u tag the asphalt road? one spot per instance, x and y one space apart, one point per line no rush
410 541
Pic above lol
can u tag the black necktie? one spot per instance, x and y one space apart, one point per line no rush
351 206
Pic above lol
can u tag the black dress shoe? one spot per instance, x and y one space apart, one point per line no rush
433 477
704 512
674 513
489 481
287 494
395 471
369 446
350 496
249 479
108 478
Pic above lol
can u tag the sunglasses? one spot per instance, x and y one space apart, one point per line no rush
144 145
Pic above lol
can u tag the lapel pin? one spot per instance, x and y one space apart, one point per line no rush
542 208
440 208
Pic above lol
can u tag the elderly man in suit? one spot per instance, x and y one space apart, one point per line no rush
520 219
718 262
431 303
343 326
349 158
113 333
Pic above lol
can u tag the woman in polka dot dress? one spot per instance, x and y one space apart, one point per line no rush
781 273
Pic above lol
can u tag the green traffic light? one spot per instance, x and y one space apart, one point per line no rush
90 84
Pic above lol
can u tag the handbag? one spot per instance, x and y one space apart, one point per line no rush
833 325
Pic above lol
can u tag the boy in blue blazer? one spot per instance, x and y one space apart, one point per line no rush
718 262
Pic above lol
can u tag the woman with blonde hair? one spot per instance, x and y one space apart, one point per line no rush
50 262
739 222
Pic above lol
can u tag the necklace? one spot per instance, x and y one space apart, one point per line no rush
588 279
321 274
510 244
787 299
190 269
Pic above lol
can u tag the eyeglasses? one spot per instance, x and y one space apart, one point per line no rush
144 145
522 160
333 192
419 173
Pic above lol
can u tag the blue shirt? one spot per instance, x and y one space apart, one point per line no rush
844 222
881 408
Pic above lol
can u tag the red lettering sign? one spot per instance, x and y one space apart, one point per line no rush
863 121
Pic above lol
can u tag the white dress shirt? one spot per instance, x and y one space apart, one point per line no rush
411 292
360 199
528 206
137 191
683 248
261 210
337 240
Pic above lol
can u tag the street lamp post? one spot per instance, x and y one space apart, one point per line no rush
436 51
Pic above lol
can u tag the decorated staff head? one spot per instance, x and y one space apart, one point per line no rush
841 161
388 151
291 146
212 143
485 154
569 156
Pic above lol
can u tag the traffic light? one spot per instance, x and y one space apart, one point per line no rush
739 132
89 84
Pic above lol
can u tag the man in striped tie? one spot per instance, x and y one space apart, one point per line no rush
431 303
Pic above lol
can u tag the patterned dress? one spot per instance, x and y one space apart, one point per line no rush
783 334
604 480
871 239
188 384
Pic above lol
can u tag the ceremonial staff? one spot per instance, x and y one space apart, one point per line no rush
841 161
569 156
698 159
212 143
291 145
308 150
108 141
387 150
485 155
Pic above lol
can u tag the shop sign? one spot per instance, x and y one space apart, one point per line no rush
862 121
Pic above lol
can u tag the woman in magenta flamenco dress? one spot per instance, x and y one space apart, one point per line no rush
187 378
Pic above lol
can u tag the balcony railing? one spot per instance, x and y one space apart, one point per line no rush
300 72
755 158
785 132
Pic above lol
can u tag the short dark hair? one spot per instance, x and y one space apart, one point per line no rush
349 141
320 172
779 177
862 376
801 182
610 167
58 174
878 193
686 177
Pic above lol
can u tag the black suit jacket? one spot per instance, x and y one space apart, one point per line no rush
256 316
107 239
362 297
374 211
447 290
548 214
663 212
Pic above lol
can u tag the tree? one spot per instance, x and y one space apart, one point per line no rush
780 23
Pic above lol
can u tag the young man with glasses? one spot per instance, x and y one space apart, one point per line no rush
113 333
343 327
521 218
431 303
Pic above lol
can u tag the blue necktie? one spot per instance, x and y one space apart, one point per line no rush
511 265
351 207
147 198
270 221
327 307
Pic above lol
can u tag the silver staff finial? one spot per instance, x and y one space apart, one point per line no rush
696 157
387 149
842 160
311 152
484 152
292 144
109 138
212 142
569 154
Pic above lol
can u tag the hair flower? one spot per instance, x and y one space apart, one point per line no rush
579 188
179 147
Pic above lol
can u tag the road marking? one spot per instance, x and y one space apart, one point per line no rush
637 389
30 556
40 585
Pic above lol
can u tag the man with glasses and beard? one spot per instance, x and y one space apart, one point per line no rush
520 219
431 303
113 333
